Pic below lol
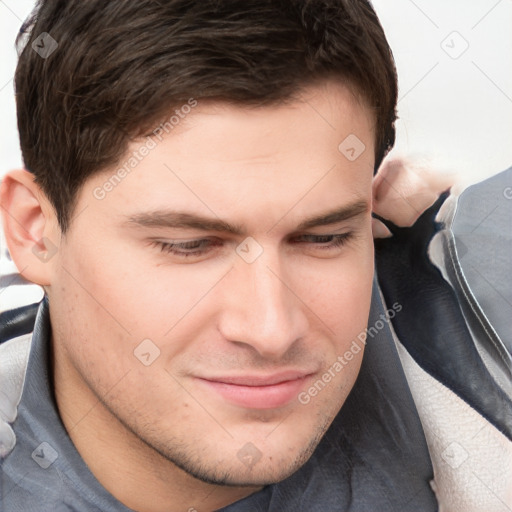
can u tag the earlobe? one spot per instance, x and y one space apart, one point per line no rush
29 225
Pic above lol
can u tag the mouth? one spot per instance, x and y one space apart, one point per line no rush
259 391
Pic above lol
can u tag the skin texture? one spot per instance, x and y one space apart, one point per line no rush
158 437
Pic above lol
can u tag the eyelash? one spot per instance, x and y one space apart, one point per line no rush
201 246
334 240
187 249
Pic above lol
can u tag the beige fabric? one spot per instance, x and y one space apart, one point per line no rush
13 367
472 460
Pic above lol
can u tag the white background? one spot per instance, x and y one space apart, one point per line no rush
457 111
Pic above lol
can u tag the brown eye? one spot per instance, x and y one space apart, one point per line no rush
324 241
188 248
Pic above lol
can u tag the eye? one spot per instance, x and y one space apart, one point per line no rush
188 248
323 242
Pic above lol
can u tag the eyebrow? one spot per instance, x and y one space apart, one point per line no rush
334 216
182 220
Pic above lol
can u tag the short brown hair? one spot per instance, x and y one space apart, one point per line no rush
122 65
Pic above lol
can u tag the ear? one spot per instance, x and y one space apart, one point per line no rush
30 226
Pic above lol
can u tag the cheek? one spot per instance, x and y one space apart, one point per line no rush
350 300
91 316
339 292
342 302
117 302
119 284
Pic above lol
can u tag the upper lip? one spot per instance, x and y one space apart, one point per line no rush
260 380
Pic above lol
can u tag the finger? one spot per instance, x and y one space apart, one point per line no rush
402 190
379 230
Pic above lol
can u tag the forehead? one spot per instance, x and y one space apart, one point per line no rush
229 160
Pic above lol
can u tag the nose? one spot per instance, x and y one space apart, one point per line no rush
261 310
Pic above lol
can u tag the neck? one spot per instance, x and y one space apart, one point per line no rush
129 469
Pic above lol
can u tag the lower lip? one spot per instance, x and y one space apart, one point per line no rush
258 397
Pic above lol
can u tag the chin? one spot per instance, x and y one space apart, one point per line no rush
251 468
255 477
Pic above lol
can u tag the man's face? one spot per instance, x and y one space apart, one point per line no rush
206 293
